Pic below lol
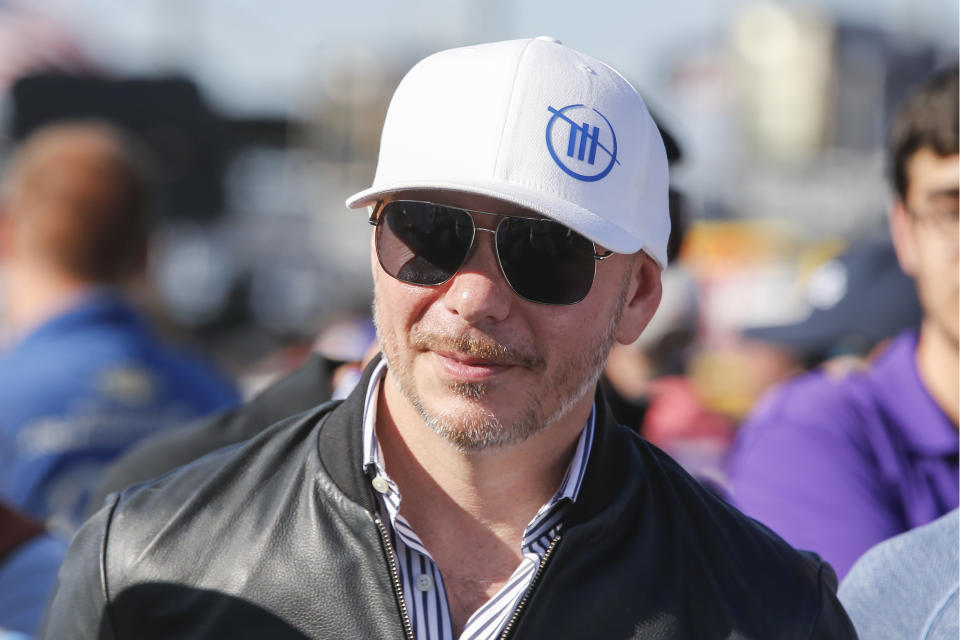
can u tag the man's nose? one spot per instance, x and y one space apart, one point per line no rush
478 292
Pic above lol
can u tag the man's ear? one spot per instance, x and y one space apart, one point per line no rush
902 234
644 291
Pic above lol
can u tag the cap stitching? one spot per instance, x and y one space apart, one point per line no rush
503 128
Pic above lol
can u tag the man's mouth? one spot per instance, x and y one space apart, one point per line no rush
470 368
474 352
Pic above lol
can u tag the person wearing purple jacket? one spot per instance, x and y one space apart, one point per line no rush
838 464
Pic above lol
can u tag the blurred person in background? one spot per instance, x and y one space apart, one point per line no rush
860 300
84 377
906 587
474 484
837 464
330 372
647 382
651 389
660 348
29 561
660 351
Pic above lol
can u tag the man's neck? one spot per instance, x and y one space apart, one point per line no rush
33 295
470 509
938 363
500 486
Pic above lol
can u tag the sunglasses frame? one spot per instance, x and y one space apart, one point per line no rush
376 217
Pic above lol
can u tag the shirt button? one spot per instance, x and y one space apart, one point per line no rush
424 582
381 485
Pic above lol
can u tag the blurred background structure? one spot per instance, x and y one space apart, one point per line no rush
265 116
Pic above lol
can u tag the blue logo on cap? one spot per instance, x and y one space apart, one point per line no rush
581 142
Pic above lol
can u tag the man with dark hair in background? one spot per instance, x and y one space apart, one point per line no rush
84 377
837 465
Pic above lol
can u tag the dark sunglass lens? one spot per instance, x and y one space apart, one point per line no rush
422 243
545 261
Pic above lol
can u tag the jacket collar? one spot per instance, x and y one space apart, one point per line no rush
340 443
607 467
898 388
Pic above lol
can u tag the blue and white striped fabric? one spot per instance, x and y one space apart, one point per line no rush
423 587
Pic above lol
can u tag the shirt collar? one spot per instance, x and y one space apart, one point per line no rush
95 306
371 446
895 377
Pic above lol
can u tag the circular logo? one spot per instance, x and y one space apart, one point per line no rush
582 142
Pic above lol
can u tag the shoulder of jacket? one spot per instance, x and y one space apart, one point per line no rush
210 493
732 543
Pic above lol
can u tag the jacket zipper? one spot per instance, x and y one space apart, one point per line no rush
395 577
533 583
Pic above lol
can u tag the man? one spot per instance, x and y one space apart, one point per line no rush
84 377
473 485
836 466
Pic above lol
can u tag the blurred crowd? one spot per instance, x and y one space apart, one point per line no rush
828 410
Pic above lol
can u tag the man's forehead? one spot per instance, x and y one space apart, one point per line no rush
932 177
466 200
932 173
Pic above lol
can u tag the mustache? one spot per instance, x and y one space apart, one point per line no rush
480 346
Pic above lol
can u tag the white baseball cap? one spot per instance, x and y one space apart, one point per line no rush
537 124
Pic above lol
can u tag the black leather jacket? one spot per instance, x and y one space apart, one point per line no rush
280 537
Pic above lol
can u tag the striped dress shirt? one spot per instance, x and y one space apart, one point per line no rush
422 583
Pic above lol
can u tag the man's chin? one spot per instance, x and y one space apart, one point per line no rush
466 422
475 436
469 390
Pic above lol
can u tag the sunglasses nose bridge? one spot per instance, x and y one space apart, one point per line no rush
488 265
475 248
476 228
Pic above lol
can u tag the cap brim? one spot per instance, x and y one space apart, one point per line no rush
587 223
880 301
808 338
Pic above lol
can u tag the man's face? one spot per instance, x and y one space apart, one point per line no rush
482 366
925 232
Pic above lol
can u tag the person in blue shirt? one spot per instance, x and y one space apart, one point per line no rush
906 587
83 377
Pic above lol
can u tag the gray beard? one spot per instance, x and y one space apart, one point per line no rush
480 432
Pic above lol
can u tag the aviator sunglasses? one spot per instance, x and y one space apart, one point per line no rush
426 244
